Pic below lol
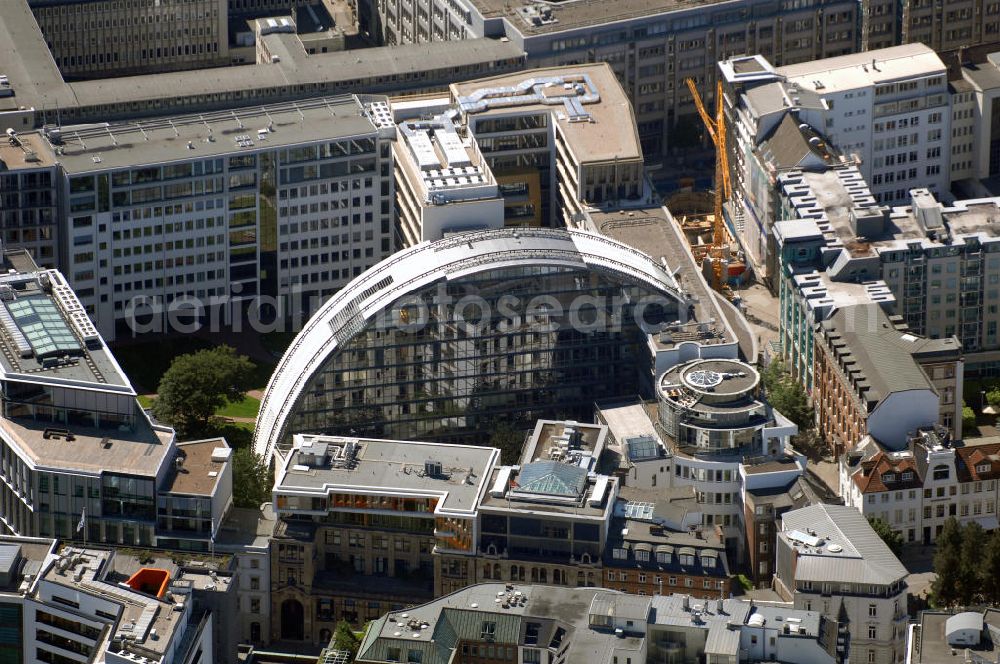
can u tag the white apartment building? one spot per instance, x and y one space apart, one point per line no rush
288 202
831 561
916 490
887 110
890 107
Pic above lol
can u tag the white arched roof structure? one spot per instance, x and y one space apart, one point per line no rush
345 314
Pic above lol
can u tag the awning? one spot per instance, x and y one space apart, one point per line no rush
988 522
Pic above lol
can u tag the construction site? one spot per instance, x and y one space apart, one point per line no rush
701 214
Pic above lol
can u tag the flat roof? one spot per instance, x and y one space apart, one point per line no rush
848 72
200 472
206 135
93 451
390 467
46 335
610 133
546 433
38 83
576 506
141 613
29 151
34 551
654 232
930 645
573 14
438 627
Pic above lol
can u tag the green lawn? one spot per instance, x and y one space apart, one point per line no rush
249 407
146 401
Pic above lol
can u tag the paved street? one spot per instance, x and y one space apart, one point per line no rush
919 561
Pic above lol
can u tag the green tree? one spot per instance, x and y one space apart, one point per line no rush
252 480
892 538
509 440
993 396
968 418
948 564
989 569
344 638
198 384
973 542
787 396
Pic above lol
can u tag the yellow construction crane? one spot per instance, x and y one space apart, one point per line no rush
717 131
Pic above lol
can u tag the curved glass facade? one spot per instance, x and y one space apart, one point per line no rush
457 357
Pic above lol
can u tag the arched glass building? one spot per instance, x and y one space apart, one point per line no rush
447 340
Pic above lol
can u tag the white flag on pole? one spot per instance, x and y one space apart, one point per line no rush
83 519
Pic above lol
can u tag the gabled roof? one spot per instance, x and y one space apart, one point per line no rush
879 355
873 473
796 145
971 458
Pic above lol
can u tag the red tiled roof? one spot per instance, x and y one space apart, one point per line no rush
971 457
869 479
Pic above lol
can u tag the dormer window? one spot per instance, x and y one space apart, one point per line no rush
908 475
983 468
642 556
888 478
620 553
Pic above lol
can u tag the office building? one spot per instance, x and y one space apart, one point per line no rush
546 519
81 606
21 561
105 38
396 352
938 634
945 27
29 213
830 560
221 209
681 443
652 48
366 526
873 377
532 623
34 93
927 263
560 140
246 535
888 111
78 456
915 490
443 185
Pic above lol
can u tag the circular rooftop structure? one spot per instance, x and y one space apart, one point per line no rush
712 406
713 378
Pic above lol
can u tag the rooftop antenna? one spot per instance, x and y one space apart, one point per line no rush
142 130
302 117
239 123
172 126
270 120
114 141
